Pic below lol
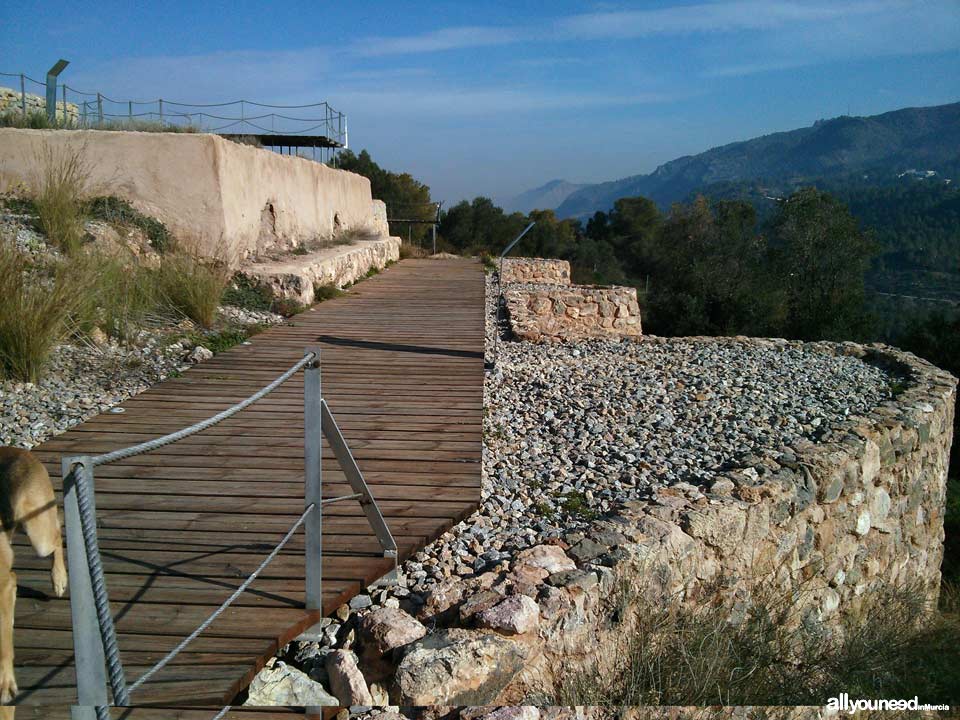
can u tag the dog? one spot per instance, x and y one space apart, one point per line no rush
26 500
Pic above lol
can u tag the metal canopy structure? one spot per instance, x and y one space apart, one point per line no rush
277 140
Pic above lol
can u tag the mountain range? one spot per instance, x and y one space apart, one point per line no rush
546 197
872 150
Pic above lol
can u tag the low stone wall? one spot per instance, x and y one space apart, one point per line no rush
296 277
829 525
551 312
226 199
11 101
380 225
535 270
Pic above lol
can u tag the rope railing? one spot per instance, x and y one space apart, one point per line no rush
95 638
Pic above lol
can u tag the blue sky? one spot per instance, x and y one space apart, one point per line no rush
495 98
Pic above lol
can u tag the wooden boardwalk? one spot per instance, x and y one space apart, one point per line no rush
181 527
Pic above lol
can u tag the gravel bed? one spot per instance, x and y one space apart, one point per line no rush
572 430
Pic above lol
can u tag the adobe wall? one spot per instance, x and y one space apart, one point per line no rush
228 199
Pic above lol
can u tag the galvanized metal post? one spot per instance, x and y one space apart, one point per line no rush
87 643
160 101
64 95
52 74
99 109
313 480
130 110
23 96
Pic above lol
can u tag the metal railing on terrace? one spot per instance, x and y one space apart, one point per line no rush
96 650
87 109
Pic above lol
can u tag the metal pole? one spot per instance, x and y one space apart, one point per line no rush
52 75
99 110
496 321
87 644
160 101
313 486
130 110
23 96
64 95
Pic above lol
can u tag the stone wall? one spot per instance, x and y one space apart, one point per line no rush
228 200
535 270
10 101
828 525
553 312
296 277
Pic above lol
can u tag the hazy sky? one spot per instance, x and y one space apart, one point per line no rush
478 97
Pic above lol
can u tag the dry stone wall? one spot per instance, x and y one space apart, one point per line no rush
831 524
556 312
12 101
535 270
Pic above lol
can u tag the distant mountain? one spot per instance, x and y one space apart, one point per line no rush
545 197
874 148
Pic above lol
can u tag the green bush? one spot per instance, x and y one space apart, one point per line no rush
35 314
245 293
116 210
326 292
35 120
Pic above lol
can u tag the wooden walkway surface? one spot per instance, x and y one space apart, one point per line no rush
181 527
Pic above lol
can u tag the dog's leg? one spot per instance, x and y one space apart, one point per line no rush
43 529
8 601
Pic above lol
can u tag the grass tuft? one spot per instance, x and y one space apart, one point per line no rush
35 315
326 292
894 646
62 180
412 251
192 286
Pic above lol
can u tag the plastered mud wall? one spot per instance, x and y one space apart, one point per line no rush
226 199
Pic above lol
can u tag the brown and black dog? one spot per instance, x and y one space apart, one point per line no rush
26 500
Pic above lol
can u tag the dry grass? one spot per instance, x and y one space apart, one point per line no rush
62 183
36 313
192 285
412 251
894 647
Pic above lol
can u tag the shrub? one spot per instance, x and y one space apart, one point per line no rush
326 292
287 307
35 120
408 250
245 293
192 286
36 313
63 177
118 211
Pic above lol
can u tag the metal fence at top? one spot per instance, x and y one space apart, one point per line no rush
96 650
86 109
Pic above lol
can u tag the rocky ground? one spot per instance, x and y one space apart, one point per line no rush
573 430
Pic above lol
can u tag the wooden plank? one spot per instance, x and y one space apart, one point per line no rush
182 527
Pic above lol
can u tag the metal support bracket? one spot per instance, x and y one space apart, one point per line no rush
345 458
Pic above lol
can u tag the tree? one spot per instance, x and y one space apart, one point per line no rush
822 257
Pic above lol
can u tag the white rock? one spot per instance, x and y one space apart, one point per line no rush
280 685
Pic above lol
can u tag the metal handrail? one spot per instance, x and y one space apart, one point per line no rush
496 321
95 645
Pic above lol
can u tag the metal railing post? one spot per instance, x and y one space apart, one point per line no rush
23 96
99 110
313 486
88 652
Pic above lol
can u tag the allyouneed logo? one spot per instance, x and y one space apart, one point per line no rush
843 703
